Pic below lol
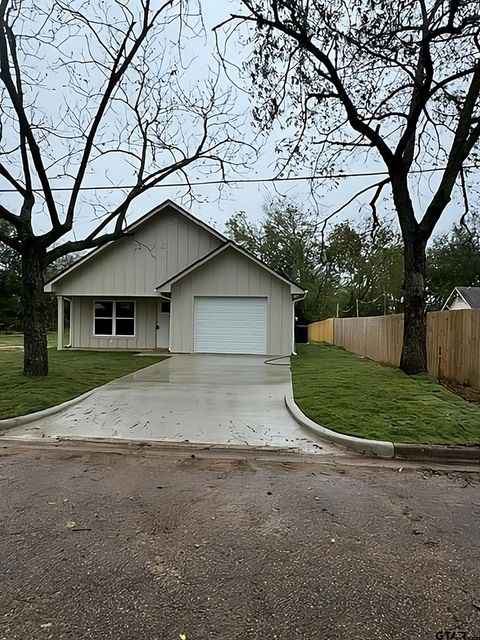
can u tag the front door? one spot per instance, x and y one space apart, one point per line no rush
163 323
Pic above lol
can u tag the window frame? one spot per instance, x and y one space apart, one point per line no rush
113 318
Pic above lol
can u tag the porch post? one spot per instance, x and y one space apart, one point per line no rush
293 327
60 322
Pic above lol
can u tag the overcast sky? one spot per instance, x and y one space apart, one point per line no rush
215 204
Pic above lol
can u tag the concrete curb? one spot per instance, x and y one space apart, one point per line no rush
437 453
381 449
376 448
9 423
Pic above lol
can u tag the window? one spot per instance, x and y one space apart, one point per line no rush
165 306
114 318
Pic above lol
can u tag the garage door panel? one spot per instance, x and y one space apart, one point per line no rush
230 325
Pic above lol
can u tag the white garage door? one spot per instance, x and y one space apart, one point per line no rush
231 325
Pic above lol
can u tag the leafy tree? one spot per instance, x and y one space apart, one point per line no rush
82 83
348 265
453 260
397 82
288 240
10 289
369 268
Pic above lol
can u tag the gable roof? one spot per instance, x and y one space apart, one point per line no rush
165 287
135 225
470 295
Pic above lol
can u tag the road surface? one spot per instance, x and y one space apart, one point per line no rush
138 544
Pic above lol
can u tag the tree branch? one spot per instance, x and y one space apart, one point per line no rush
302 38
11 218
118 70
74 246
25 127
8 176
464 140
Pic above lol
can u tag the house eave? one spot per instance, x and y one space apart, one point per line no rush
166 286
48 287
455 294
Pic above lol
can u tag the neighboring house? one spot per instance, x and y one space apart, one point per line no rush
176 283
463 298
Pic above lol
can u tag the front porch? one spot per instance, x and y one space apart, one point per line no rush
109 323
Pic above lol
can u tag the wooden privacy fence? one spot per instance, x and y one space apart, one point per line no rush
321 331
453 341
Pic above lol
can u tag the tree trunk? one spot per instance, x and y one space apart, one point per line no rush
414 350
35 361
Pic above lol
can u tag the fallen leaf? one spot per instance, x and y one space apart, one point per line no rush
46 625
183 636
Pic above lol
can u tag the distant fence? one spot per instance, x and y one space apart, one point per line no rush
321 331
453 341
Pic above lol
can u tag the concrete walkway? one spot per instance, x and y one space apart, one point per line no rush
214 399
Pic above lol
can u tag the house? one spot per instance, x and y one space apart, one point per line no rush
463 298
176 283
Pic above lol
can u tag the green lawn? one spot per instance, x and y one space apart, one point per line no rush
359 397
71 374
16 339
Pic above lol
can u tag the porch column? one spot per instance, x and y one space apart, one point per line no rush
60 322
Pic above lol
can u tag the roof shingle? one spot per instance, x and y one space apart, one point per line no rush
471 295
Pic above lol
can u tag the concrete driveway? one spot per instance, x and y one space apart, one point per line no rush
213 399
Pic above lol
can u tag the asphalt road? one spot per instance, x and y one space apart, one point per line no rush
168 546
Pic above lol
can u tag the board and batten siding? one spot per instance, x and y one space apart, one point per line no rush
231 274
136 265
82 325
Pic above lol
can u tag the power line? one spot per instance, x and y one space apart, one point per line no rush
170 185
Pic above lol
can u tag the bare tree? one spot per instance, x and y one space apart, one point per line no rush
95 89
390 82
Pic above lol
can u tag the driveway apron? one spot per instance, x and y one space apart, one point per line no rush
211 399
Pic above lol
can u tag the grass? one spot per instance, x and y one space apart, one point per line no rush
16 339
359 397
71 374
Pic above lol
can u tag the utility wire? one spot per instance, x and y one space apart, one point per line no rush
382 295
163 185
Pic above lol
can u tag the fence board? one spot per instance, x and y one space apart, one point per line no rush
378 338
453 341
322 331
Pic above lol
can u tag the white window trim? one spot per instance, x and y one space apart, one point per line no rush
113 318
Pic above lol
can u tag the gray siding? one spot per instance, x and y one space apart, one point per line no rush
134 266
82 326
231 274
458 303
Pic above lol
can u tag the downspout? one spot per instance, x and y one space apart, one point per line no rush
300 297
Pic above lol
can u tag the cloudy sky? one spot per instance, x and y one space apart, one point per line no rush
213 203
